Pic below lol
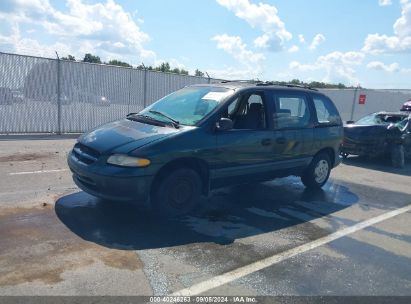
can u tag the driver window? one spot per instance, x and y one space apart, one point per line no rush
247 112
232 108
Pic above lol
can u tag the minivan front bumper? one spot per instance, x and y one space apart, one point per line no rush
127 184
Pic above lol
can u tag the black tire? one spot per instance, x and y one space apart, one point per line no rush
311 177
398 156
177 193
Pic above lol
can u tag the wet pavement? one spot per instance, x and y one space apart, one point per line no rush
58 240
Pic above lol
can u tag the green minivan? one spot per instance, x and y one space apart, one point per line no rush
203 137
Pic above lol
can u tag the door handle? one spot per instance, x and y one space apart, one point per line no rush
266 142
280 140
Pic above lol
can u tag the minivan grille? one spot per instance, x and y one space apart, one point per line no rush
85 154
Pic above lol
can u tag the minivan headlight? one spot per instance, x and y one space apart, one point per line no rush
127 161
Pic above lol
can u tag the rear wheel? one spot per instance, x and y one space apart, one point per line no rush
177 193
317 173
398 156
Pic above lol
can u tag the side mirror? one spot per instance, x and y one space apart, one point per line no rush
224 124
349 122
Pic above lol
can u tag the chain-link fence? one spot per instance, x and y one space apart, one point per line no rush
41 95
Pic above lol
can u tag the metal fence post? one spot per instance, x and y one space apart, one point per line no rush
145 88
129 90
58 96
353 103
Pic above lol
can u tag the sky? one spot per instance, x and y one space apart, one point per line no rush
366 42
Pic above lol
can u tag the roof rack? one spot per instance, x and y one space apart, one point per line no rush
289 85
269 83
242 80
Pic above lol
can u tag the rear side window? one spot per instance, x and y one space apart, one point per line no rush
327 114
291 112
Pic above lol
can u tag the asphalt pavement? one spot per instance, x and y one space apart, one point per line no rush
275 238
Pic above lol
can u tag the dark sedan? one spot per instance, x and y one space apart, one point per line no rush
378 134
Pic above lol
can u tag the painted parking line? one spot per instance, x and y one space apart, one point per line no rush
38 172
238 273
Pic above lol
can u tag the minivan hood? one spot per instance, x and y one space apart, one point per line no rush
118 133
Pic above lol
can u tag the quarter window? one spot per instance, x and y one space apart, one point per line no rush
326 111
291 112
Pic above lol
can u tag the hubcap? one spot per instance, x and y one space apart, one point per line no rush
181 194
321 171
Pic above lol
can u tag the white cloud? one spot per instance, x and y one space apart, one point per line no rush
399 42
380 66
105 29
295 65
384 2
301 38
317 40
338 66
21 45
250 62
293 49
263 17
234 73
234 46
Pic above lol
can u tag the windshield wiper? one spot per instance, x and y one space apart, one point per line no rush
134 116
175 122
129 116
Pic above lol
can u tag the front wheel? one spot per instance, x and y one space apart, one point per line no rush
177 193
317 173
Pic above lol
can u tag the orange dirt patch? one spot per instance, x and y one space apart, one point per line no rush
36 246
24 156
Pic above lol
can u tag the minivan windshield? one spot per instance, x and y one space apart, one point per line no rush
188 105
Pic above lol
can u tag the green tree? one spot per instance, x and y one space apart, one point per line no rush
91 58
119 63
198 73
183 72
176 71
163 67
69 57
312 84
296 81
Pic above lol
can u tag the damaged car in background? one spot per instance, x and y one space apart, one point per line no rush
406 106
379 134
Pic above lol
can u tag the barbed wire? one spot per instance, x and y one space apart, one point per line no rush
28 51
